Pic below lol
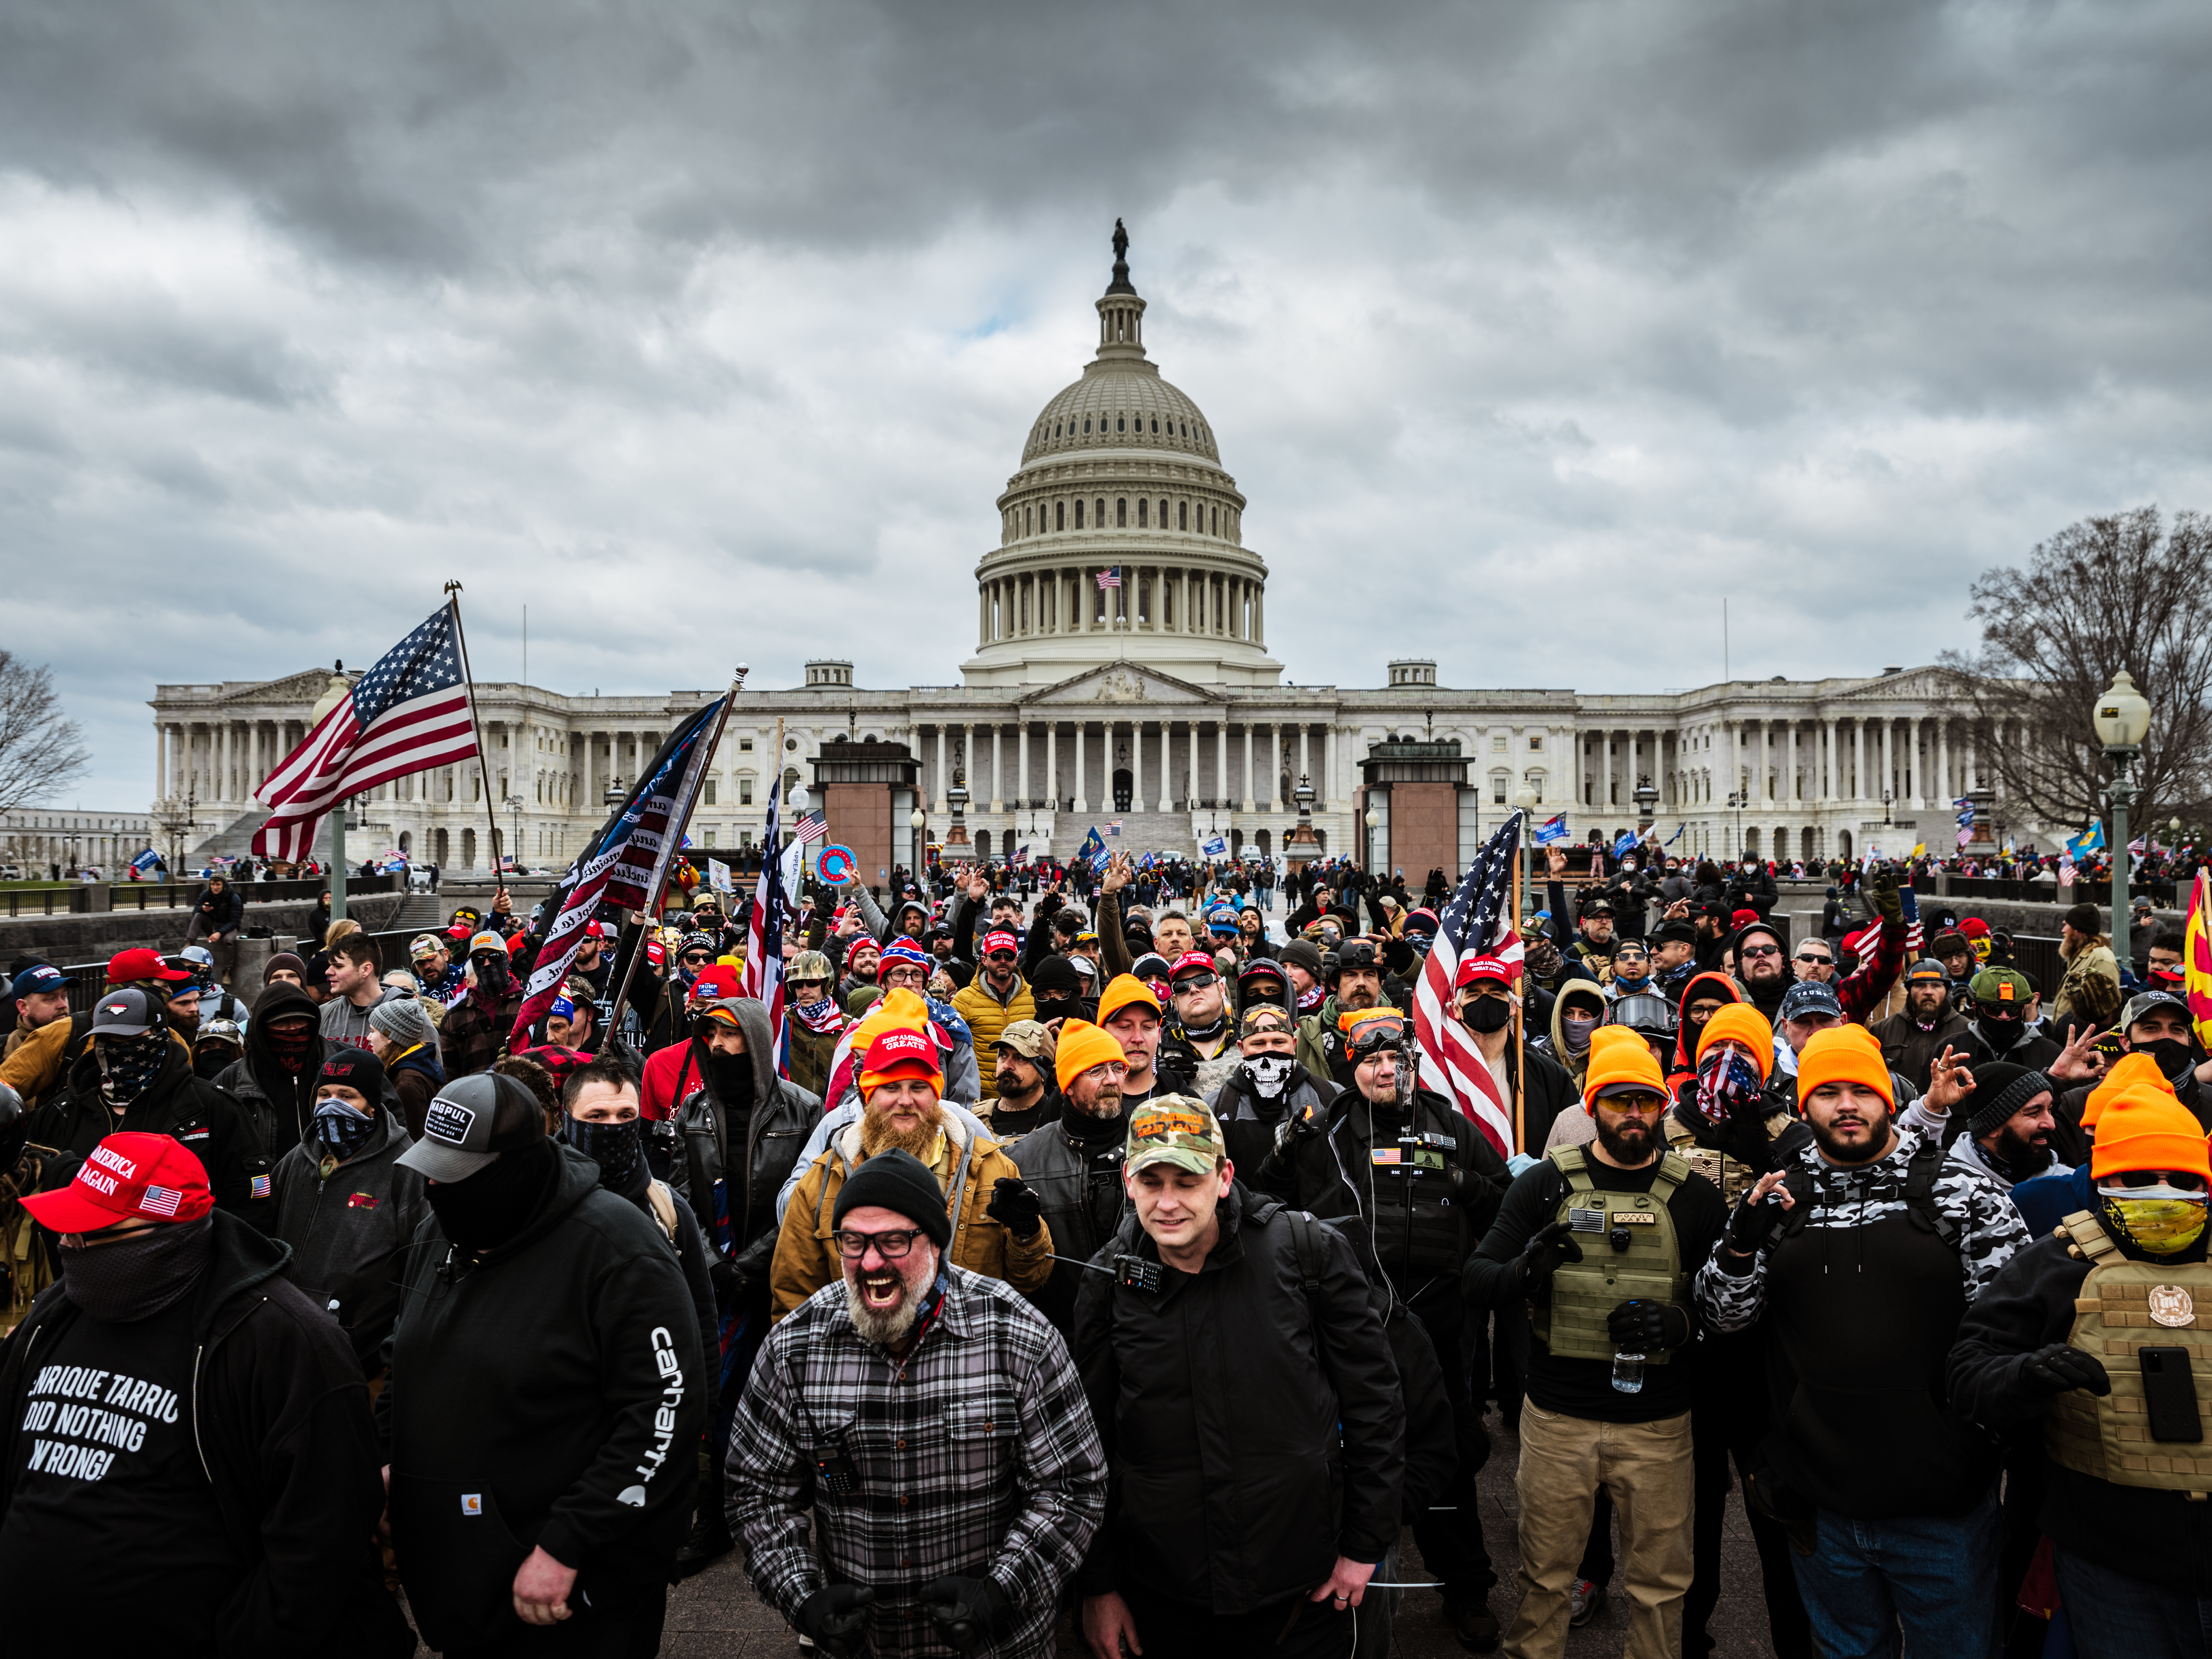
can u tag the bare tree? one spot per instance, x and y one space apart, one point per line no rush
39 750
2102 595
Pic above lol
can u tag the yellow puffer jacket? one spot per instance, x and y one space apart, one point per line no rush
986 1017
806 1256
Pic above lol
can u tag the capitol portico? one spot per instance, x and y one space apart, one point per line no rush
1149 698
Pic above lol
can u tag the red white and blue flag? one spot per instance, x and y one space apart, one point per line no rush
764 972
1110 577
811 826
625 863
408 714
1476 923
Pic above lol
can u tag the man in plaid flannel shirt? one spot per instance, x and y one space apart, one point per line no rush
934 1422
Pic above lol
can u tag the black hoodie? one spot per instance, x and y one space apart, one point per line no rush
280 1416
281 1105
552 1394
199 1114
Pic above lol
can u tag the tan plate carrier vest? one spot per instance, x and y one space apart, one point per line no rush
1584 1292
2123 1306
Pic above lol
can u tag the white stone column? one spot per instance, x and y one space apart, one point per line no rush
1966 760
1943 762
1221 761
1137 763
1858 762
1792 792
1164 802
997 750
1889 760
1306 735
1247 796
943 776
160 758
1052 764
1831 786
1082 801
1329 795
1022 764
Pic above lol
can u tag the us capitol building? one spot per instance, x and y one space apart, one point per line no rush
1153 703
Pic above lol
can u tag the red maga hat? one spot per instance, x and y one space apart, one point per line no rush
127 1175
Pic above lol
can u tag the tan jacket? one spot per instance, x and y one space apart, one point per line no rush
986 1017
2089 996
807 1258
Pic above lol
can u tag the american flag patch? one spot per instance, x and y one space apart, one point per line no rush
160 1201
261 1185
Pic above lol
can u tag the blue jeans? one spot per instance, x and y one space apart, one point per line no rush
2117 1617
1934 1575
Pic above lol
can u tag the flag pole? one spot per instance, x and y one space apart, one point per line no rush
1520 1054
668 860
491 811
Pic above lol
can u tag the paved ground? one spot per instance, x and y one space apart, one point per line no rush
717 1616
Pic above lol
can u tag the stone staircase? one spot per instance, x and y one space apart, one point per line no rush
1141 832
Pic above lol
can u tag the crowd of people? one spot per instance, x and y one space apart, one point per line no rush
1099 1245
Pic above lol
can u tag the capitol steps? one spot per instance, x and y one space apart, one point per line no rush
1141 832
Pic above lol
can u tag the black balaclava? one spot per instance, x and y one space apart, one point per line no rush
493 1204
138 1275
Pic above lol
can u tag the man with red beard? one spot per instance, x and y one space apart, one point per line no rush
901 1091
911 1375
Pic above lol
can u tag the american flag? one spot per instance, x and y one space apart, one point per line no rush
1111 576
407 714
161 1200
763 974
1475 923
812 827
625 863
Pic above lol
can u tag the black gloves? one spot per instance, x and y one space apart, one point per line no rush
1547 1248
964 1610
1751 1226
1306 1121
835 1616
1644 1326
730 1283
2057 1368
1015 1206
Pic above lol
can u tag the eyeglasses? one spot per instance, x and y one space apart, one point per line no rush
891 1246
1636 1105
1751 951
1813 956
808 984
695 959
1196 982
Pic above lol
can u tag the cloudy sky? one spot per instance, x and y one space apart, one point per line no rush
710 331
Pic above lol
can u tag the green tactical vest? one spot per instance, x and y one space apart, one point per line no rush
1650 1267
2122 1306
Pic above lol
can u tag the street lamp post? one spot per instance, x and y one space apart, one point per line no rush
1647 803
2122 718
1524 797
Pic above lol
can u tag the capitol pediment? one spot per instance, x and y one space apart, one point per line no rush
305 686
1120 684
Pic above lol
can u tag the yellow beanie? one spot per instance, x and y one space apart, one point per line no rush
1617 1055
1843 1054
1082 1046
1747 1025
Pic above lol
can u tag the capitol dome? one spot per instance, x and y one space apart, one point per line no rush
1120 478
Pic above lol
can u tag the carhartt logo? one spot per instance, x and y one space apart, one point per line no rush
472 1503
2170 1306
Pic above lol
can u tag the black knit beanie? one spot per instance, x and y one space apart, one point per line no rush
899 1181
2001 1089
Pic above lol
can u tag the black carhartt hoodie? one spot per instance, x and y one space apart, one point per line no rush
549 1392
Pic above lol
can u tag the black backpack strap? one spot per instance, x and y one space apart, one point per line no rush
1798 1183
1927 1162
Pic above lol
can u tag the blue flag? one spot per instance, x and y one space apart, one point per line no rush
1624 844
1550 831
2091 840
146 861
1093 849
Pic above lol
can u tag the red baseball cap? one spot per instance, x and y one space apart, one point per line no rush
1974 928
1192 961
655 952
594 930
1001 941
716 982
1481 968
900 1052
1743 918
127 1175
129 967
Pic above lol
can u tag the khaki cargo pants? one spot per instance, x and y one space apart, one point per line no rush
1646 1467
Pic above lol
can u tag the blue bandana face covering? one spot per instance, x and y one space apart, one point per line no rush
341 1128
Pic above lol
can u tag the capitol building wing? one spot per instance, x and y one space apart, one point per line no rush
1121 677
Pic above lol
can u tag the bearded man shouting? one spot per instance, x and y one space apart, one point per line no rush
901 1088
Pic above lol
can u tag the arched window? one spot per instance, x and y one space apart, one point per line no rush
1098 515
1156 424
1121 510
1183 515
1079 515
1029 520
1086 423
1164 515
1060 514
1142 514
1121 423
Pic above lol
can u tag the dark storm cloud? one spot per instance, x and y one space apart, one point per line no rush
713 330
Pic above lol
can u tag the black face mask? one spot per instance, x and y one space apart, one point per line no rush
614 1147
1488 1014
732 1077
135 1278
2000 1033
492 1205
491 975
2170 1054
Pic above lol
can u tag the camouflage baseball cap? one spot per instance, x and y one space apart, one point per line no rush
1027 1037
1177 1129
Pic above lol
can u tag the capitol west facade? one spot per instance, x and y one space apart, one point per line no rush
1153 703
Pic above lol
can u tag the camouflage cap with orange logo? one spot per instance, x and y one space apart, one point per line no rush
1177 1129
